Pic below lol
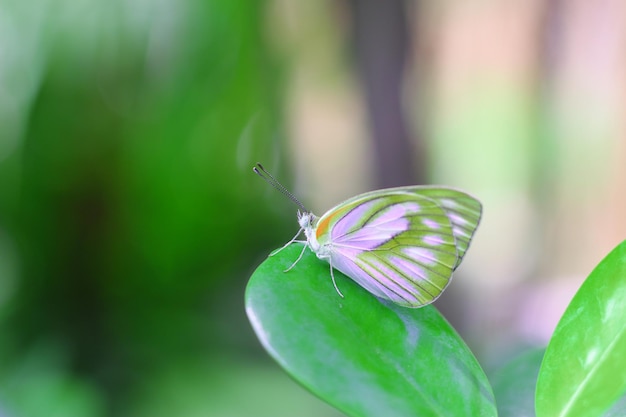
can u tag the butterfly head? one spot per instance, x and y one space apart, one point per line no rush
306 219
307 222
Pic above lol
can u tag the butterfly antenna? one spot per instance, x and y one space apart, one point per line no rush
269 178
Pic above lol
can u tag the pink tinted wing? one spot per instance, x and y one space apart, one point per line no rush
400 244
463 211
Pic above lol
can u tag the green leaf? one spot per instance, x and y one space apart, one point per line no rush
584 370
364 356
514 384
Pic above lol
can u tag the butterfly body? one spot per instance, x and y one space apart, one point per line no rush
400 244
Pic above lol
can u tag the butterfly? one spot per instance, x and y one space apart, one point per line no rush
400 244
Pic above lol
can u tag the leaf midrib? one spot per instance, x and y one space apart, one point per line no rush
591 373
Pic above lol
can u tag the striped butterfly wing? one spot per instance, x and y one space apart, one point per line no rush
463 211
400 244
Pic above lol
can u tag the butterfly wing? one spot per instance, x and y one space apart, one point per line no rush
400 244
463 211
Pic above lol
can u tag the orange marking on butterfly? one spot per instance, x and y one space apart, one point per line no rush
322 226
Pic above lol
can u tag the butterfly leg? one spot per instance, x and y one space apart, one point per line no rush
332 276
288 243
299 257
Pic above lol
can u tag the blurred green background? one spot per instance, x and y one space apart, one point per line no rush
130 218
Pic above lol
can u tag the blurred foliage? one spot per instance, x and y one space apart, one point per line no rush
514 384
129 216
